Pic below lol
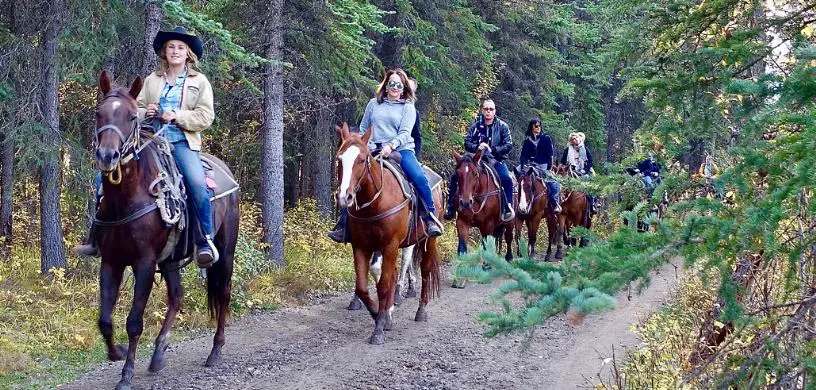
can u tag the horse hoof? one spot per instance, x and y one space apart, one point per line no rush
388 325
119 353
377 339
411 293
157 364
214 360
355 304
421 316
457 283
123 385
397 299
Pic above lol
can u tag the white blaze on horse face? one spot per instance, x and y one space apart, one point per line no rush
523 201
467 169
116 104
347 158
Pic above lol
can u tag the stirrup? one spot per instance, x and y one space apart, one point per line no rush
208 256
88 250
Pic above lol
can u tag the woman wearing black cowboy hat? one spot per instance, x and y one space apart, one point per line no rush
179 100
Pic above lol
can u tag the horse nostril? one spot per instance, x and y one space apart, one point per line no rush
116 155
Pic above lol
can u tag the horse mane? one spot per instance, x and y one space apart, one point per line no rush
147 167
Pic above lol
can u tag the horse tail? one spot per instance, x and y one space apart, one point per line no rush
217 284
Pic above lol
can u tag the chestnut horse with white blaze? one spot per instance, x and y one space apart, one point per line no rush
380 220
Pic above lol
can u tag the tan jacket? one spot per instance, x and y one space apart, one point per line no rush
196 113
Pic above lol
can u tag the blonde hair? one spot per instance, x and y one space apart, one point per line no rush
192 58
407 91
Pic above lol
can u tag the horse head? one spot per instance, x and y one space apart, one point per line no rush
468 174
117 127
526 190
354 160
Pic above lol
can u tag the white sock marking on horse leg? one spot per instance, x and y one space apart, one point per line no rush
348 158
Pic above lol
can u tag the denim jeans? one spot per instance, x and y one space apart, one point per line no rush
506 181
189 163
416 175
553 187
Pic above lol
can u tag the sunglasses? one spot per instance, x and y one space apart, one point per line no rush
488 109
395 85
536 126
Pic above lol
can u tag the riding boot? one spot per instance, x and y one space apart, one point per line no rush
593 209
556 206
432 225
89 247
507 209
450 213
340 234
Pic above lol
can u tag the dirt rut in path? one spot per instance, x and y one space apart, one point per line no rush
323 346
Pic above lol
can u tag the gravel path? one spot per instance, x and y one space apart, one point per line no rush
323 346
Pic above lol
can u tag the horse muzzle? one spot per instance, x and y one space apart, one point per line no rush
107 158
345 200
467 205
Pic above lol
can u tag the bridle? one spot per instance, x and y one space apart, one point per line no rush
476 196
130 147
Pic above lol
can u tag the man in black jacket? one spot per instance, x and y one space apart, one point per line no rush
492 136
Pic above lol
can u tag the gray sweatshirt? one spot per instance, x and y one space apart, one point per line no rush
391 122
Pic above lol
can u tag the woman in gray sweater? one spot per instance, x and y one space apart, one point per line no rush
391 116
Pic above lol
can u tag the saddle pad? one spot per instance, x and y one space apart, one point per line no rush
224 184
434 179
491 170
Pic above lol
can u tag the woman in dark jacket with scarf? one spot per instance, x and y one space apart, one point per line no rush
538 149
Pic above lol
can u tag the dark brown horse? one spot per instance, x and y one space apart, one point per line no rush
135 235
479 204
574 212
533 206
380 220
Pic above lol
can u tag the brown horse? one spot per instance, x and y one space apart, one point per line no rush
132 232
479 203
380 220
533 206
575 212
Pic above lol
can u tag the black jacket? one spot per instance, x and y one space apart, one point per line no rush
648 166
499 139
416 134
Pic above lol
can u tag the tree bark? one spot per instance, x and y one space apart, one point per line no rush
153 19
51 239
7 180
272 138
322 163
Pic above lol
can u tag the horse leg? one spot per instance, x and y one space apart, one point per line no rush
508 239
385 295
430 277
532 235
110 278
143 274
462 233
560 238
219 292
405 270
174 294
412 274
361 261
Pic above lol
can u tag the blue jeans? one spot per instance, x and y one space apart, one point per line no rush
416 175
506 181
553 187
189 163
651 183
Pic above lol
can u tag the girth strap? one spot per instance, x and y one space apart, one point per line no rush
385 214
130 218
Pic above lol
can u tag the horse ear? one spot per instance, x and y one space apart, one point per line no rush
136 87
367 135
477 157
104 82
342 130
456 156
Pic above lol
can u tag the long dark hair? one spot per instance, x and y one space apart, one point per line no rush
533 122
407 91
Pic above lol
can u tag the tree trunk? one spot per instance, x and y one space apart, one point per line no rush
7 180
272 138
52 250
153 18
322 163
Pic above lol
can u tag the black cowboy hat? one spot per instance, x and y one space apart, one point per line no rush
179 33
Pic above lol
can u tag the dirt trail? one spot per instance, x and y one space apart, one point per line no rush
323 346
